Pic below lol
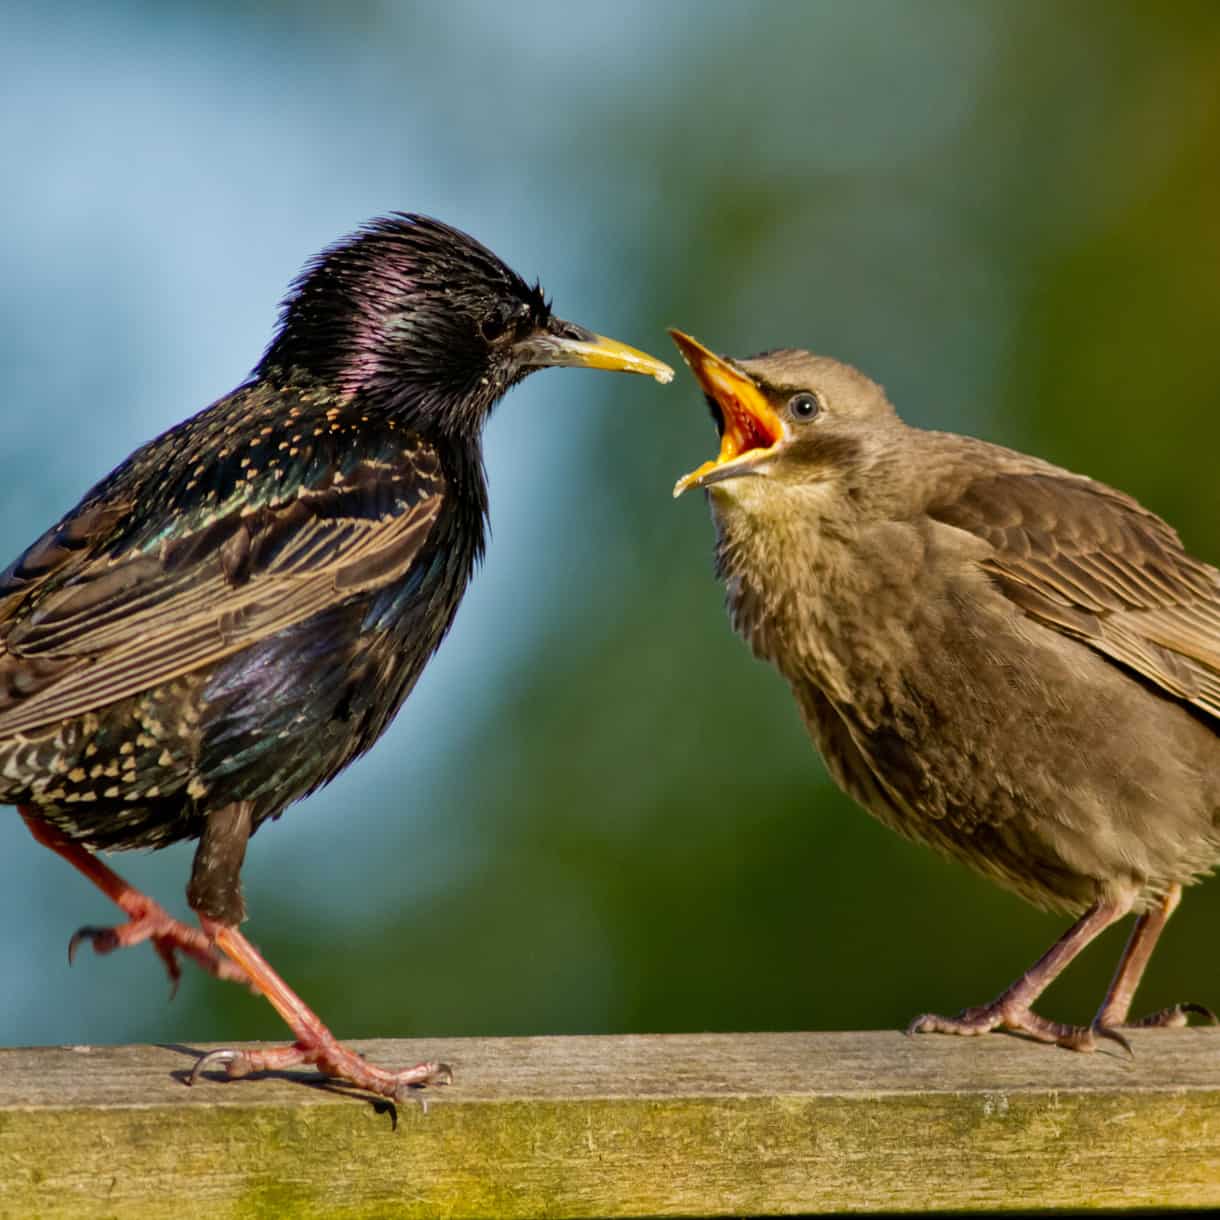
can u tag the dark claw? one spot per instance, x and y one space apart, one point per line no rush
230 1060
170 961
1176 1015
1108 1031
1200 1010
102 939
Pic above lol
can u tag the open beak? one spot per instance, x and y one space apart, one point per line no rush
566 344
749 427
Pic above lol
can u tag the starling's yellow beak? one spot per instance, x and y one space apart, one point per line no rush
569 345
749 425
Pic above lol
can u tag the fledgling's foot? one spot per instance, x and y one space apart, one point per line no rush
1005 1015
1020 1019
169 937
332 1059
1176 1016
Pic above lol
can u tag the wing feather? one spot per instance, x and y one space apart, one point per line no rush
1093 564
82 628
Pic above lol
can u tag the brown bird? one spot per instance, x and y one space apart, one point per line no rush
1009 662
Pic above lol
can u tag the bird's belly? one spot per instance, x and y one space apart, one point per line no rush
268 725
1027 756
286 717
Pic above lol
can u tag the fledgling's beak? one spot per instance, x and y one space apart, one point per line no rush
749 426
566 344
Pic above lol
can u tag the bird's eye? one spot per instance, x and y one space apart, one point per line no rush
504 318
804 407
497 322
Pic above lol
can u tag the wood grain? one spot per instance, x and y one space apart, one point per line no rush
713 1124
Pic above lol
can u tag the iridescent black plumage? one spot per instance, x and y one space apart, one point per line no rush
240 608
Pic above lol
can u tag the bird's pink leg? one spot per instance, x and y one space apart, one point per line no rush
1116 1007
1013 1009
313 1042
147 920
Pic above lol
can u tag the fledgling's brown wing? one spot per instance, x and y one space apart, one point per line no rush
1094 564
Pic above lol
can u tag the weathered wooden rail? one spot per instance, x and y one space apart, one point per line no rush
761 1124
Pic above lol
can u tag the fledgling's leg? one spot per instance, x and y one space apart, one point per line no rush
1116 1007
1013 1009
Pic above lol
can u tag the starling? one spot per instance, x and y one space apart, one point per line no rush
238 611
1009 662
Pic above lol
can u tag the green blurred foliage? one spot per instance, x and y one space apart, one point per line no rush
1007 212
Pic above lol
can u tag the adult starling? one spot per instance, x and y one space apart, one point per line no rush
238 610
1009 662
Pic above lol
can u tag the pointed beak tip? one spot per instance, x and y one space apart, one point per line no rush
683 342
750 428
584 349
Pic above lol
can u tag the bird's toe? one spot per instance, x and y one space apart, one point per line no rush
1086 1038
969 1022
1176 1016
103 940
235 1063
407 1089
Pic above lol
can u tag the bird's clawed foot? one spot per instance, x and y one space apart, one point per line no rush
1019 1019
1013 1009
313 1042
332 1059
169 937
1002 1015
1176 1016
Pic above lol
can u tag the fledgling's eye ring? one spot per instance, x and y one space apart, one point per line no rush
804 407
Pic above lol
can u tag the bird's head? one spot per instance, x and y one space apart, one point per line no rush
790 423
425 322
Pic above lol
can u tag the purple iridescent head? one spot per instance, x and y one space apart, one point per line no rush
420 320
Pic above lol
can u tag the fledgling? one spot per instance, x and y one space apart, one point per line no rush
1009 662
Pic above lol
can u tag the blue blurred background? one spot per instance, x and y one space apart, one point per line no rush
597 813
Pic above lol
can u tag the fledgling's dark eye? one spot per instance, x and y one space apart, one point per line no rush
804 407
